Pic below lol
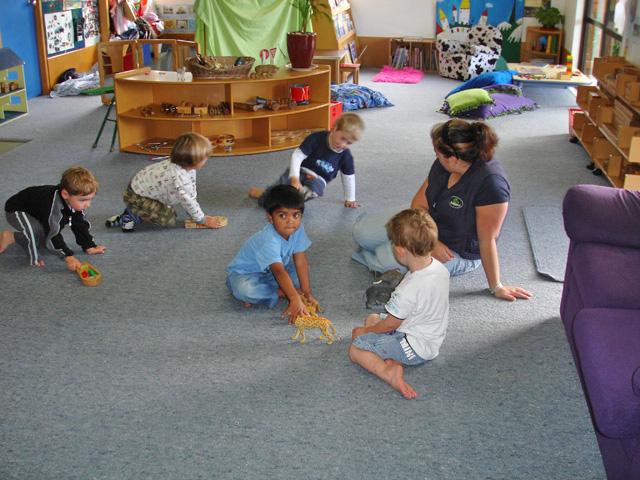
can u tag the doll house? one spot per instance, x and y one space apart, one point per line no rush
13 94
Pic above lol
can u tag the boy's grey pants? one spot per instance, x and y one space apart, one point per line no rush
29 233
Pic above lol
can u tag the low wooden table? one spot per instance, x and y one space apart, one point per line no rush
576 79
333 58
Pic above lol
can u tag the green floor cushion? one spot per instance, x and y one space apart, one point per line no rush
467 100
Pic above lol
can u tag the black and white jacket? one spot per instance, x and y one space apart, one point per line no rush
45 204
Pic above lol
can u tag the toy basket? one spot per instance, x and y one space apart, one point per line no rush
219 68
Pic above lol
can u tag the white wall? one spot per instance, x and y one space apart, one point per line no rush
394 18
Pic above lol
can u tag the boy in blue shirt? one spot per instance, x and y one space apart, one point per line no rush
319 159
272 263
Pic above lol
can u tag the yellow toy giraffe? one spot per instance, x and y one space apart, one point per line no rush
314 321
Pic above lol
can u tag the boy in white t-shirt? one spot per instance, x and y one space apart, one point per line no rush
413 329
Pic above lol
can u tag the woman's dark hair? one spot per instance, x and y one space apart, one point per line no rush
283 196
468 141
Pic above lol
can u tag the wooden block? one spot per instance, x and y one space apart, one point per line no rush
634 150
193 224
604 115
185 108
631 182
201 109
614 165
632 91
625 134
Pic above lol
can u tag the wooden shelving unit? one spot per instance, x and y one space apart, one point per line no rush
253 131
609 125
339 32
420 53
536 37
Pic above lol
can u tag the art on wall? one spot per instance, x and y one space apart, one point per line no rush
178 18
59 31
507 15
91 22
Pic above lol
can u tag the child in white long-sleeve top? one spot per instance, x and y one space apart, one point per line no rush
319 159
155 190
415 323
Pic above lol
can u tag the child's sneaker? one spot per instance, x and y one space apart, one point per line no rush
128 220
115 221
128 226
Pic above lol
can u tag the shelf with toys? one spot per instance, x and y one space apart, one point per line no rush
542 43
609 125
258 115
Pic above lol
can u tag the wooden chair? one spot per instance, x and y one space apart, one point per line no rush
348 69
185 49
114 57
179 50
158 57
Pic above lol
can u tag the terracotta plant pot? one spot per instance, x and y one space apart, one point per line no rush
301 47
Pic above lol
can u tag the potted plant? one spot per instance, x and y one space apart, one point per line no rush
549 17
301 45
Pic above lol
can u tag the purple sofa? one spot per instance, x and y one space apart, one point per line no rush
600 311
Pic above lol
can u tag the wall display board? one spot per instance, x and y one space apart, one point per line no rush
67 32
70 25
177 17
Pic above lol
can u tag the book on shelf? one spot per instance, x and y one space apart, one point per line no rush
353 49
400 58
347 55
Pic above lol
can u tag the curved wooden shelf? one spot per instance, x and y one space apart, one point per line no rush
149 88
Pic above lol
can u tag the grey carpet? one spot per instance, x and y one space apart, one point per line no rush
159 373
548 240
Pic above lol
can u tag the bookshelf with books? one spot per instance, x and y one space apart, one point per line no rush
416 52
542 44
336 30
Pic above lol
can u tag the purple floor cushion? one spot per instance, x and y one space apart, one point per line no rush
503 104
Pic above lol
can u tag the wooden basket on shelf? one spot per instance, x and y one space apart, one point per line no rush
219 68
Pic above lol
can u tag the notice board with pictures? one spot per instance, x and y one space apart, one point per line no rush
178 16
68 33
70 25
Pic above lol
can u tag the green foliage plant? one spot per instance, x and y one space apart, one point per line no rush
307 9
549 17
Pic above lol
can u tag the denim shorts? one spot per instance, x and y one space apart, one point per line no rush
392 345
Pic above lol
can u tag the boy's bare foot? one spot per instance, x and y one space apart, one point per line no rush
40 263
6 239
395 377
255 192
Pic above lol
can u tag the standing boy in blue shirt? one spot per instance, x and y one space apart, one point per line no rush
272 262
319 159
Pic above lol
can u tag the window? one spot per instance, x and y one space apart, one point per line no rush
602 31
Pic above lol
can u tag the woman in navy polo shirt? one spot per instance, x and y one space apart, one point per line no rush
467 194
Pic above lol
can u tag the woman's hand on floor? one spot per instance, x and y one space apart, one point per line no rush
510 293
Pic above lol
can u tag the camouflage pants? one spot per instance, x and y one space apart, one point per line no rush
149 209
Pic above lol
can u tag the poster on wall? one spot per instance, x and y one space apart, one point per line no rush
459 15
59 31
91 22
177 18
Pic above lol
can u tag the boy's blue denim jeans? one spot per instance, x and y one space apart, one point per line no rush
313 187
258 288
374 248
